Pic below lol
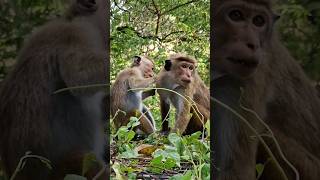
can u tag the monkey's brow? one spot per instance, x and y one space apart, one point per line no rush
264 3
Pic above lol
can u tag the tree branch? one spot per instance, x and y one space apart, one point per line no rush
158 17
123 28
178 6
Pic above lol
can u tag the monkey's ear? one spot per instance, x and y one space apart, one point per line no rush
87 5
167 65
136 60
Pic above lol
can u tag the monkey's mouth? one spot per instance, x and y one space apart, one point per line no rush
249 63
186 81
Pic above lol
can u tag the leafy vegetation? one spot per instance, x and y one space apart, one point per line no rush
299 27
159 156
158 28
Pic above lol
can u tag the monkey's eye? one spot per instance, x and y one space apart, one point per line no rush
259 21
152 69
236 15
191 68
184 66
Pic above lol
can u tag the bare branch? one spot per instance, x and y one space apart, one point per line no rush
178 6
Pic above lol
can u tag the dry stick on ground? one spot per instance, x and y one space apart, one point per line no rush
256 133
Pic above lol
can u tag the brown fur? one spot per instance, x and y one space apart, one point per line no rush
183 57
196 90
62 53
281 94
128 101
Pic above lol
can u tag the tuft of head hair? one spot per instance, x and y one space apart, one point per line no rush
147 57
183 57
134 63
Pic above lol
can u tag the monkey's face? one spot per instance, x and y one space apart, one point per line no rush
241 30
145 65
147 68
184 72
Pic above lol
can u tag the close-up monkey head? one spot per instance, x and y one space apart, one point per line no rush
182 68
145 65
242 30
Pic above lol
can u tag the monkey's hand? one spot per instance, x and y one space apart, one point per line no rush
148 93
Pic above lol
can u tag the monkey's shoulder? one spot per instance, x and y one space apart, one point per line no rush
58 33
129 72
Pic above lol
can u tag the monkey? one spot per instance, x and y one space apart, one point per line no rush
60 126
125 102
180 75
257 72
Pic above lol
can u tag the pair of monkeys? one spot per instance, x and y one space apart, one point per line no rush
179 74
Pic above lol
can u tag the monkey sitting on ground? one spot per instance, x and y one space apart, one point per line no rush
125 102
179 74
62 127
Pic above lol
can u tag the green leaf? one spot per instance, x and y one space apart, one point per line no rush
186 176
176 140
259 169
130 136
134 122
205 171
129 153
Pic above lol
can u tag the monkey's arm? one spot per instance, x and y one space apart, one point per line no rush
183 117
201 111
234 157
164 107
148 93
136 82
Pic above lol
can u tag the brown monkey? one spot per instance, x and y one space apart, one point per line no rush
179 74
126 103
249 55
63 126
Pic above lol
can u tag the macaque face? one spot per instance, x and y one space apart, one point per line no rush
240 34
185 72
147 68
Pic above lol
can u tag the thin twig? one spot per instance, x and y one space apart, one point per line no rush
22 163
80 87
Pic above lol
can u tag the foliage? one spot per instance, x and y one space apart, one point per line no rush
168 154
299 27
17 19
158 28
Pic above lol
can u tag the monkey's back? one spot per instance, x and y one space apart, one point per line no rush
32 83
120 91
